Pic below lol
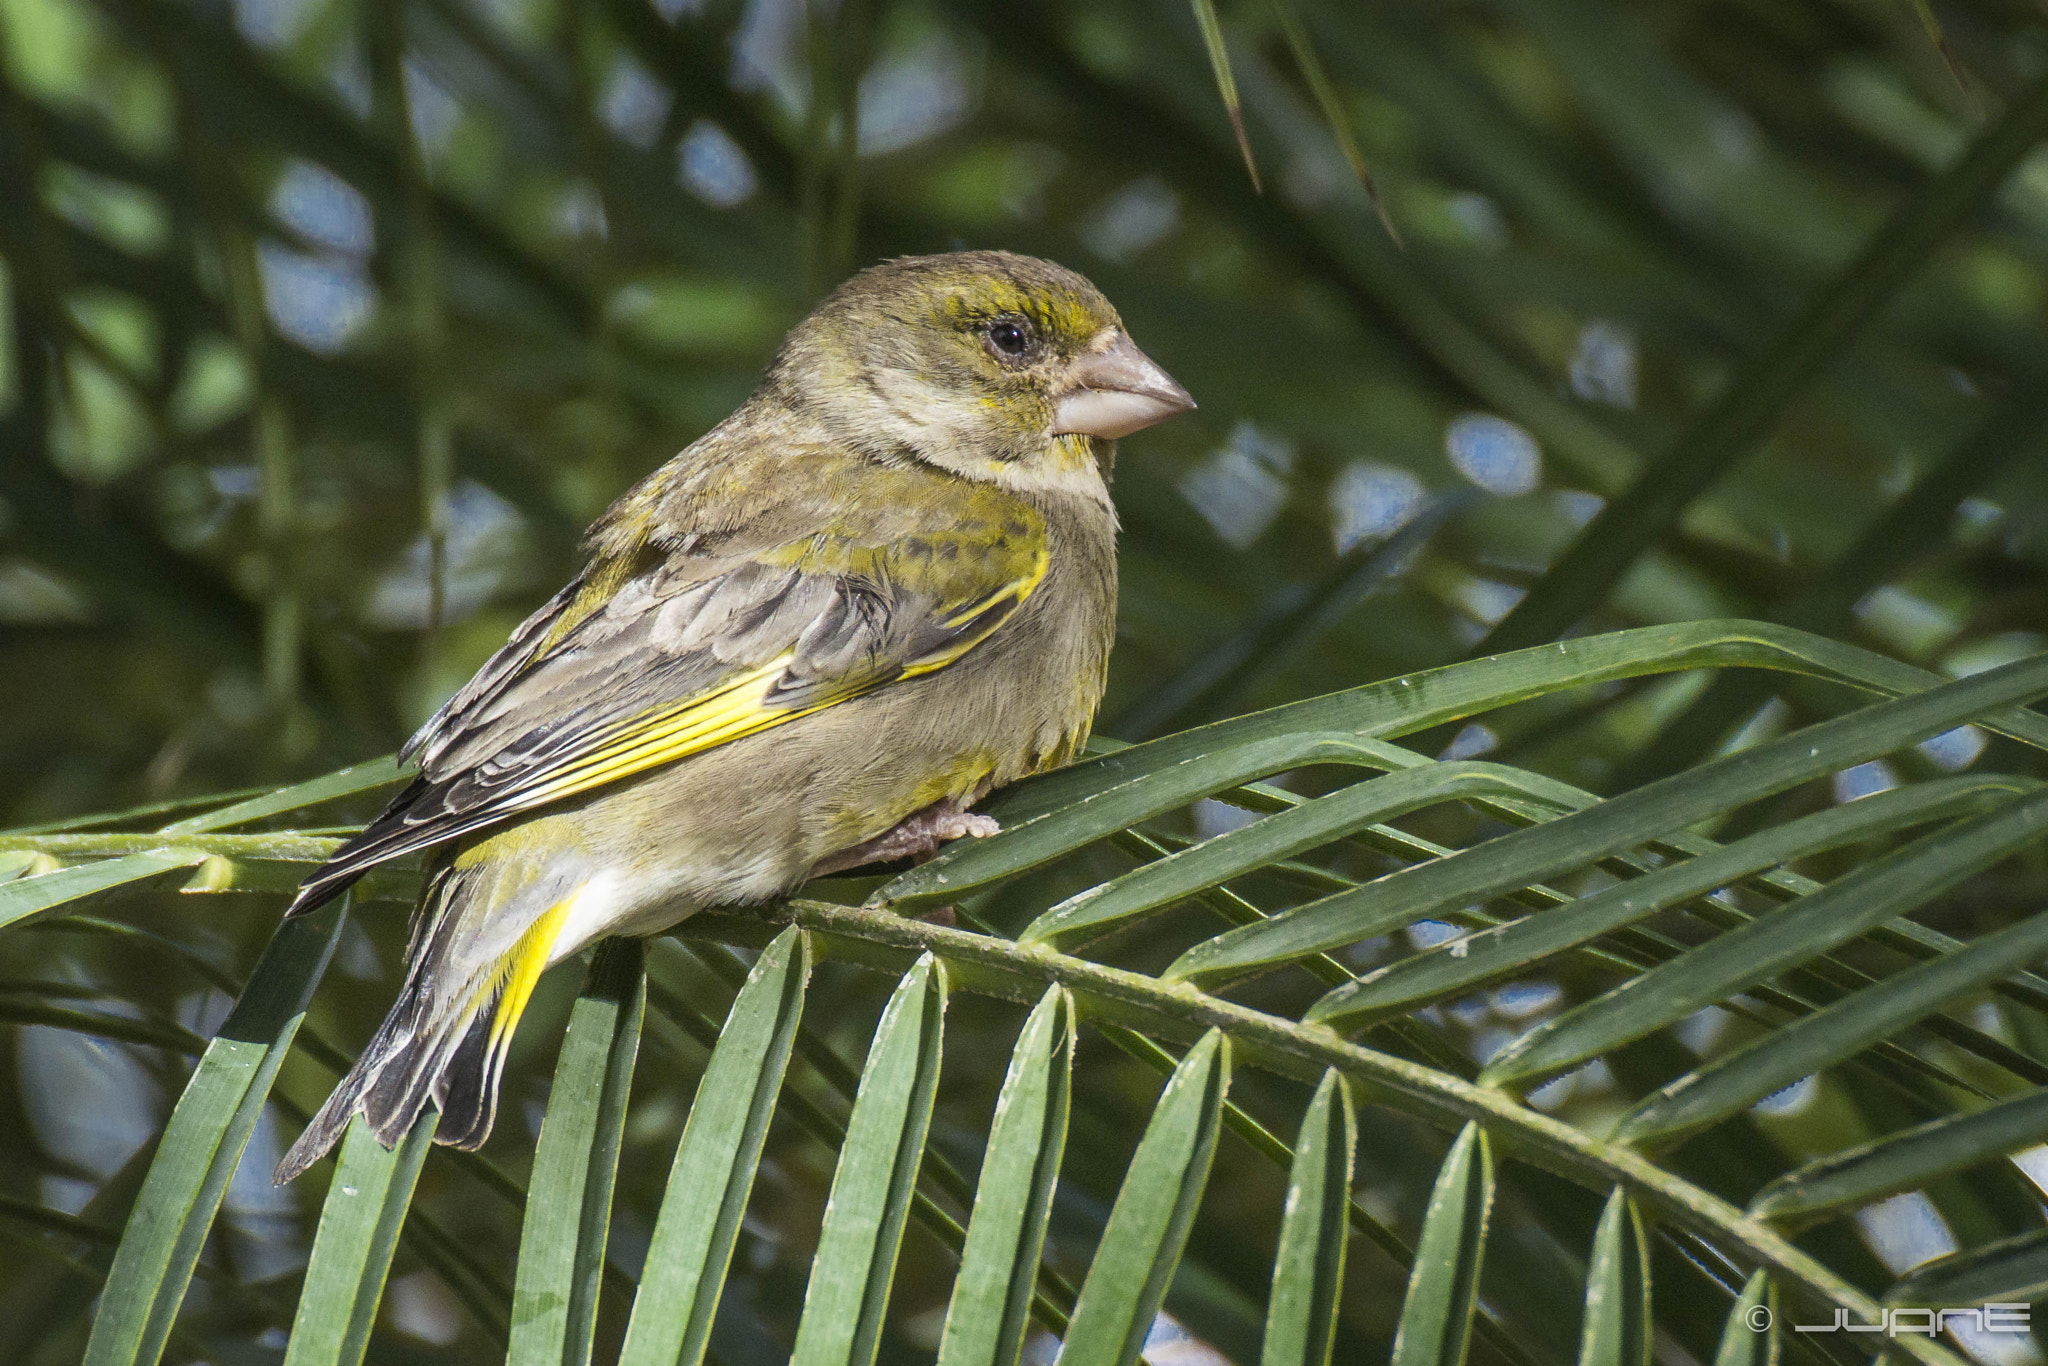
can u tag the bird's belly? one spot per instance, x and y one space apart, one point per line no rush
746 822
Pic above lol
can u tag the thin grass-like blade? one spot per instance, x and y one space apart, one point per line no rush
346 782
1739 1079
569 1197
1443 1286
1263 1141
1750 1337
1292 620
1111 790
1930 22
135 815
2013 433
287 846
1882 888
38 1303
359 1224
1053 1296
1745 412
1618 1329
1582 837
991 1305
1900 935
1148 1226
876 1177
1489 954
203 1143
1905 1160
46 892
1104 813
1419 701
716 1161
1226 82
2008 1273
1281 835
155 1032
1318 82
1308 1270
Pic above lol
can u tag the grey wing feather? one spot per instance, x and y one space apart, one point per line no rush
427 742
656 643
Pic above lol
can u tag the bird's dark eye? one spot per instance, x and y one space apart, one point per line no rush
1010 336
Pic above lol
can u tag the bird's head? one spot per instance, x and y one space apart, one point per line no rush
993 366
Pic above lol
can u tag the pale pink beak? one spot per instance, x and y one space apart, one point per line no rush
1115 390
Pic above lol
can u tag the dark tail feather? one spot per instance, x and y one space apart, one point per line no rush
386 1085
407 1062
319 889
394 1039
445 1038
466 1081
467 1090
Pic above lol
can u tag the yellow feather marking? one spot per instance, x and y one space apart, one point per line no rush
1057 311
522 968
733 711
739 708
689 721
1018 590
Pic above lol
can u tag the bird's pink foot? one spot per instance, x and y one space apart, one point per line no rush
917 836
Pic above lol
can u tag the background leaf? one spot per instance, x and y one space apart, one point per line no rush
716 1161
1155 1207
989 1311
561 1260
1618 1329
204 1141
366 1205
1436 1316
872 1188
1308 1269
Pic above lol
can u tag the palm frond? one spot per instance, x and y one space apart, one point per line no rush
1784 958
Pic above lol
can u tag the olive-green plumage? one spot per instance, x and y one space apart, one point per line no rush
883 587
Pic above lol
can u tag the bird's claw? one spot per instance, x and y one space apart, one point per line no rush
917 837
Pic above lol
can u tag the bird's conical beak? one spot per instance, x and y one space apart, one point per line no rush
1115 390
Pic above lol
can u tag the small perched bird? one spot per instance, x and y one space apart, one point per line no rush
882 588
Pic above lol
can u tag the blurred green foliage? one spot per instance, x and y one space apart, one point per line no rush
326 325
473 336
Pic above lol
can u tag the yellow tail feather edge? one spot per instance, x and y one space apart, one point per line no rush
520 969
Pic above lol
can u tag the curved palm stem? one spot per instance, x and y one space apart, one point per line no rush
999 967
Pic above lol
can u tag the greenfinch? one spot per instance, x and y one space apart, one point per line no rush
882 588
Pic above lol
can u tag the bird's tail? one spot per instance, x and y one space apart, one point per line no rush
445 1037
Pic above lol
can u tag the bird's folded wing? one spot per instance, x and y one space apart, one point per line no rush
626 671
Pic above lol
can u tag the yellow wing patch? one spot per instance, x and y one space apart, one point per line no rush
734 710
742 706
